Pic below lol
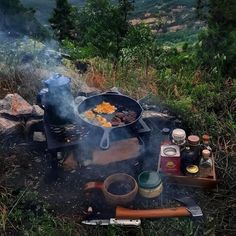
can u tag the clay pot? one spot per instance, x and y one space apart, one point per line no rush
118 189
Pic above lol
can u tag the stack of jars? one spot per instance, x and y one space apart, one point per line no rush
196 154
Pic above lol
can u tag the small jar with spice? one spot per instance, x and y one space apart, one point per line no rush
187 157
206 163
194 144
178 137
206 143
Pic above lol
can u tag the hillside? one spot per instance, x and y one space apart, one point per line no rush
171 20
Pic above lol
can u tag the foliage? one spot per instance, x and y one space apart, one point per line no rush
103 26
23 213
24 63
17 19
218 41
64 20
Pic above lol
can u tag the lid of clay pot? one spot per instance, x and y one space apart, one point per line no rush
193 139
149 179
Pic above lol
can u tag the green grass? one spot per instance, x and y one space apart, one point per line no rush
23 213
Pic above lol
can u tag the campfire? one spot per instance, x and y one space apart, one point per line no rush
127 161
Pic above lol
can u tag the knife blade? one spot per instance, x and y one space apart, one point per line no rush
113 221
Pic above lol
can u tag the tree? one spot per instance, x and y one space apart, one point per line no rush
139 47
64 20
14 17
103 26
218 47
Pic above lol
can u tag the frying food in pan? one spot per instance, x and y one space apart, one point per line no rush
105 107
107 115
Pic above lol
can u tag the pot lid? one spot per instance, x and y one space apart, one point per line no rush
149 179
57 80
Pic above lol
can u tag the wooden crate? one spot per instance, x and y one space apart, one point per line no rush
198 181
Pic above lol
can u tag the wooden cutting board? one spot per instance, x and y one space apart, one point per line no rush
118 151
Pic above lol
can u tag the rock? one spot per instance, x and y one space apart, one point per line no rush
37 111
10 126
15 105
87 91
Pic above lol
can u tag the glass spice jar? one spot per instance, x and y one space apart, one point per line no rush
178 137
187 157
194 144
206 143
206 163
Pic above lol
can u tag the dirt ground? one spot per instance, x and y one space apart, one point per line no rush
26 166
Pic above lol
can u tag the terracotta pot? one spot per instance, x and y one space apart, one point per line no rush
109 185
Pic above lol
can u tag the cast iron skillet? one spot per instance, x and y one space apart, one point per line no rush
122 102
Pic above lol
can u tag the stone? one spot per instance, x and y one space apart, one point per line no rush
10 126
37 111
15 105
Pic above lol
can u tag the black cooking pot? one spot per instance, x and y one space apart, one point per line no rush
120 101
57 100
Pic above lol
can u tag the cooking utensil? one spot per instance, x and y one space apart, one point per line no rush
130 186
113 221
191 209
121 102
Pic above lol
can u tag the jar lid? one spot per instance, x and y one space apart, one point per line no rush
170 151
192 169
178 134
57 80
205 137
206 153
149 179
193 139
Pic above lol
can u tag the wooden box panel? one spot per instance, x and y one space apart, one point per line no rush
198 181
